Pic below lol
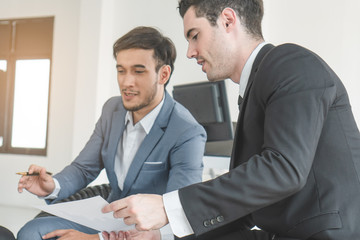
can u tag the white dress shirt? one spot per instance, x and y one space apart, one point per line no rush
131 140
178 221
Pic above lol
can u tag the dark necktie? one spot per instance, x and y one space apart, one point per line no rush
240 100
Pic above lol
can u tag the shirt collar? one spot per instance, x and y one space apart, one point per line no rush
245 74
148 121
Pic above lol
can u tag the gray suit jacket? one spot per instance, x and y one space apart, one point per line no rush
296 157
176 141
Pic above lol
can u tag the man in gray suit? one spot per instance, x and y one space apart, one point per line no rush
147 142
295 165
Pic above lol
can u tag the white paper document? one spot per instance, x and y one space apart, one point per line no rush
87 212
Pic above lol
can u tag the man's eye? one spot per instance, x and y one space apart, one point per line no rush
195 36
139 72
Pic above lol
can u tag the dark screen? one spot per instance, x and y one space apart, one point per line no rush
207 102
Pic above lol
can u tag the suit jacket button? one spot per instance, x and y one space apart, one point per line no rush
220 218
213 221
207 223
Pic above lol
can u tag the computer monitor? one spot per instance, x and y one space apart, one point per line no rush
207 102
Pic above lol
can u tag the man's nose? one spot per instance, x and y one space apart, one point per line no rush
127 80
191 52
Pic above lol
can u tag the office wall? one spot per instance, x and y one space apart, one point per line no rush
62 95
84 74
330 28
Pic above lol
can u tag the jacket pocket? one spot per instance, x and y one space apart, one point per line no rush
316 224
153 166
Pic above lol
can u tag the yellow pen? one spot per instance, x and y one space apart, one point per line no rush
32 174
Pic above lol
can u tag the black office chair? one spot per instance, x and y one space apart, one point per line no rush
6 234
102 190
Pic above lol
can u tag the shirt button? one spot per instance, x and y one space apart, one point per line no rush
220 218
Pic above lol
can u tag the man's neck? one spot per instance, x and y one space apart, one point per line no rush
244 54
140 114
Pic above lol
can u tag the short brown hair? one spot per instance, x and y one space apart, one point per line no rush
148 38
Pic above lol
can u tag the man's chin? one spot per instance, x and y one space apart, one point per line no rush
214 79
132 108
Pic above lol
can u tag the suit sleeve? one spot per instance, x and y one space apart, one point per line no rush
186 157
87 165
293 93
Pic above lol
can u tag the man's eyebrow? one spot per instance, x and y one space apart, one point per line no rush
134 66
139 66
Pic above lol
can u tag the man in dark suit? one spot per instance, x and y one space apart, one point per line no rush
146 141
295 165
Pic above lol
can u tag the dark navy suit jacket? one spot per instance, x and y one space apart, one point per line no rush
295 165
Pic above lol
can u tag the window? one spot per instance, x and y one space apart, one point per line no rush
25 67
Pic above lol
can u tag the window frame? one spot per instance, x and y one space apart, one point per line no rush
11 57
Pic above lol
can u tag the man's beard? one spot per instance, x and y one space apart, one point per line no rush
146 102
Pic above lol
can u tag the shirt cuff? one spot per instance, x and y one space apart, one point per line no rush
100 236
179 223
55 193
166 233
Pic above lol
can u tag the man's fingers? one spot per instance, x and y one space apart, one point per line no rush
106 209
35 168
105 235
111 236
23 183
121 236
142 227
129 221
127 235
20 189
123 213
56 233
115 206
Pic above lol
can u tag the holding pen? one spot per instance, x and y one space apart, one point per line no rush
31 174
41 183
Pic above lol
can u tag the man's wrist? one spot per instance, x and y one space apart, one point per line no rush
55 192
178 221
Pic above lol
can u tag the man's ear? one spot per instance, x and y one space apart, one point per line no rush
164 74
228 18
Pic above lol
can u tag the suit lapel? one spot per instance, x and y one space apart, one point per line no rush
149 143
242 107
117 129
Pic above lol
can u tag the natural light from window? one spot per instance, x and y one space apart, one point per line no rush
30 103
3 65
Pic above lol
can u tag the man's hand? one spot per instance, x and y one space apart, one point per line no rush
146 211
41 185
70 234
133 235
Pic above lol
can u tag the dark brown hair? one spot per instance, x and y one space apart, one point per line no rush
149 38
250 12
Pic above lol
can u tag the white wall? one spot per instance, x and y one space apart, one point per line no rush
62 95
84 74
331 28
